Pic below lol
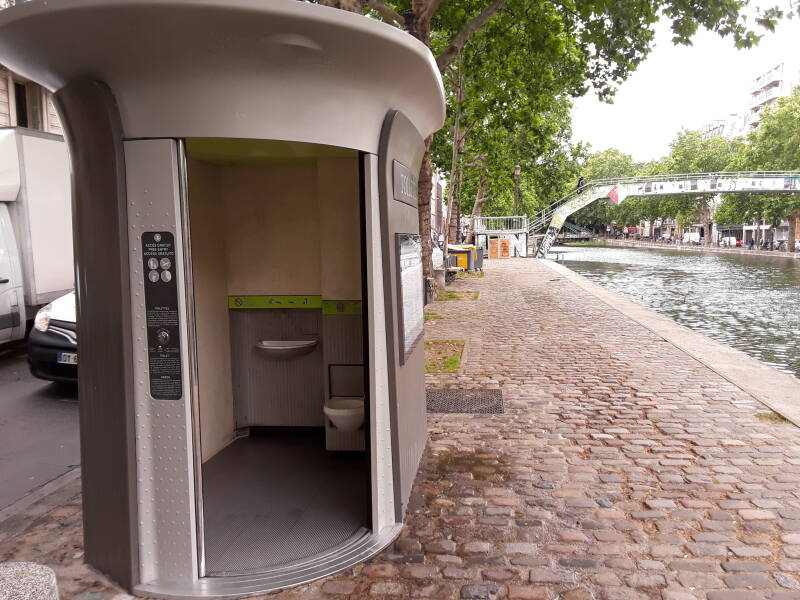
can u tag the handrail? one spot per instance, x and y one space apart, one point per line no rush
619 188
544 215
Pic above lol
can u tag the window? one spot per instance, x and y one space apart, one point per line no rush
21 102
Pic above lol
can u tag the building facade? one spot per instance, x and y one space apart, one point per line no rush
26 104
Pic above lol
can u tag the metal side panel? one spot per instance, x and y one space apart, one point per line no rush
108 460
164 440
399 160
383 495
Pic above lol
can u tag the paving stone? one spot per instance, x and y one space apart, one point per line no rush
477 548
339 587
479 592
659 503
749 552
754 514
712 538
734 595
694 565
544 575
693 579
578 563
520 548
786 580
408 546
646 580
441 547
521 592
622 593
677 595
748 580
606 579
380 570
737 566
420 572
459 573
500 575
388 588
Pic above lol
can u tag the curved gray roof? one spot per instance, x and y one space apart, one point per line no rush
269 69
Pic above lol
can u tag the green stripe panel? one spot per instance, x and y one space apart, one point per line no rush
341 307
274 301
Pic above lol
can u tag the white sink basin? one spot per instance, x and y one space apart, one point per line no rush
283 349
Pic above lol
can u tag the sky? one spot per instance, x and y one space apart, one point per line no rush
681 87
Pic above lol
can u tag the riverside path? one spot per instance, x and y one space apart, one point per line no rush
623 468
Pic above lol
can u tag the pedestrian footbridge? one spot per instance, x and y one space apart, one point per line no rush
548 223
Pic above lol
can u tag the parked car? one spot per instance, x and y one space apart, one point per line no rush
53 341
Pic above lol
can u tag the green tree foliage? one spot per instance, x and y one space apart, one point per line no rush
691 152
524 59
607 164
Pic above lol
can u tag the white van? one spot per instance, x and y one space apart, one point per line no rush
36 264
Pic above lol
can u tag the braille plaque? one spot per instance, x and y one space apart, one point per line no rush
161 305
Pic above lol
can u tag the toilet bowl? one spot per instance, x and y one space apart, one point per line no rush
346 413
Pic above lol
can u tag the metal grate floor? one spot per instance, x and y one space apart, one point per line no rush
479 400
273 500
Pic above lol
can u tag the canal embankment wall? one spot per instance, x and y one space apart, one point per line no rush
777 390
699 249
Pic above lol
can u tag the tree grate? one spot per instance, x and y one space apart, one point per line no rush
481 400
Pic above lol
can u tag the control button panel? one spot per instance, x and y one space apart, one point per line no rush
162 316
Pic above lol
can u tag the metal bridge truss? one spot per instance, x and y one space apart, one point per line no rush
615 191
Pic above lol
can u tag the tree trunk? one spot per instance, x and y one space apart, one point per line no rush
453 225
425 189
707 234
477 208
794 221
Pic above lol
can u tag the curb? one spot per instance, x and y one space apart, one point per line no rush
777 390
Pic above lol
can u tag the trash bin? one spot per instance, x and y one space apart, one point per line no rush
479 250
465 257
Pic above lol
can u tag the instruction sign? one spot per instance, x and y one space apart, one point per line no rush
412 295
161 305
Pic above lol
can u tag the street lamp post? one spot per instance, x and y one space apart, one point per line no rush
517 194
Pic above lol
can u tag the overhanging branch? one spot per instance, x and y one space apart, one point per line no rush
386 12
449 54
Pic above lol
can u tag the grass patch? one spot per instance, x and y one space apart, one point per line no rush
466 275
596 244
445 295
443 356
772 417
432 316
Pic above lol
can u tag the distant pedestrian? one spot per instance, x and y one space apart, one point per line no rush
751 244
581 183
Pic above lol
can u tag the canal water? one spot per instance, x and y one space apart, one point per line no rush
749 302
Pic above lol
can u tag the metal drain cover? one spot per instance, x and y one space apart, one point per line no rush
479 400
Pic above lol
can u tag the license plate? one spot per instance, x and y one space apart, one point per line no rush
67 358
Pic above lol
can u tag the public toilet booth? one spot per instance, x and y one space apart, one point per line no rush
249 281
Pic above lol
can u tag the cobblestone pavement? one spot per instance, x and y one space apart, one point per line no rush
622 469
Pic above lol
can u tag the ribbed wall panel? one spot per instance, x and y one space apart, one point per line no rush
273 392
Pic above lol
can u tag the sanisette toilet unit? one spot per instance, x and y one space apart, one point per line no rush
249 281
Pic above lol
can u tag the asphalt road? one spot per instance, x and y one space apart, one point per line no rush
38 428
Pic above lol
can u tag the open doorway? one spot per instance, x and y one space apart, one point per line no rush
278 288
